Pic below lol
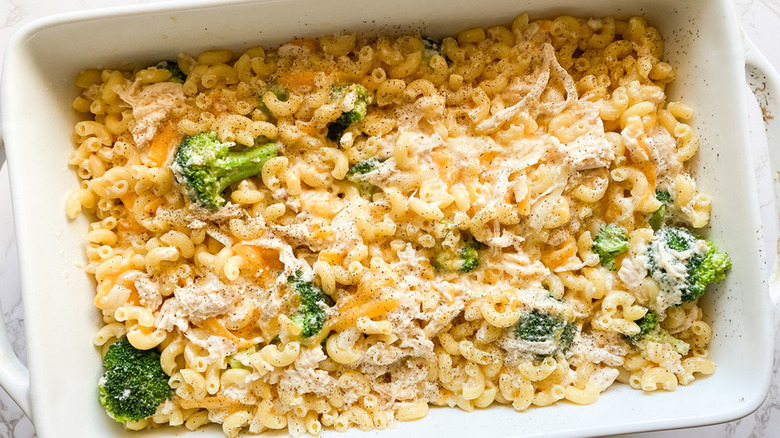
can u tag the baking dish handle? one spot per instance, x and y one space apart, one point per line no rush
764 82
14 376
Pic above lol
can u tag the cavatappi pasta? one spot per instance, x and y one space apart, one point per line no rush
517 143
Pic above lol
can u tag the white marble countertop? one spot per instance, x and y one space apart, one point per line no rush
760 20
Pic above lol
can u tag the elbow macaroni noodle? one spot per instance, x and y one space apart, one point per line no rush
526 138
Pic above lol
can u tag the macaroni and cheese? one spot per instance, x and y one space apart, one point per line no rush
425 231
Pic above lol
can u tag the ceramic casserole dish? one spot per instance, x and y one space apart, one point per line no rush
703 41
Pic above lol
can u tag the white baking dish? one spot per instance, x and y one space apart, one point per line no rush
703 41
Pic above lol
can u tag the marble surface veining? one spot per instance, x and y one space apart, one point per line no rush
759 18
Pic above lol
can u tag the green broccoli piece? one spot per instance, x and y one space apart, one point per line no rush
313 301
663 196
464 259
538 326
361 97
177 76
357 172
470 256
711 268
683 263
242 356
279 91
610 242
206 167
133 384
651 331
647 323
657 219
432 48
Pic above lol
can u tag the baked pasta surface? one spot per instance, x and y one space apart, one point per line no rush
429 227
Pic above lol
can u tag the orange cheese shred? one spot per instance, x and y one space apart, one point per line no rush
165 138
371 310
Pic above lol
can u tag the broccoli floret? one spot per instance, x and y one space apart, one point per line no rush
538 326
134 383
357 172
470 256
464 259
651 331
610 242
206 166
684 264
648 323
177 76
360 98
663 196
430 49
712 268
667 214
657 219
311 311
240 358
279 91
364 166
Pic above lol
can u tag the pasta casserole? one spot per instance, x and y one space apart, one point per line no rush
341 232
